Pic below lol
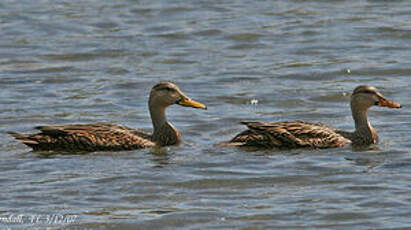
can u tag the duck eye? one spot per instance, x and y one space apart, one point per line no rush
169 89
368 92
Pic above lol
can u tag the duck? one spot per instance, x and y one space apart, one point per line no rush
111 137
301 134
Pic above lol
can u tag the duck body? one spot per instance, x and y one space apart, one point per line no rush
86 137
289 134
111 137
300 134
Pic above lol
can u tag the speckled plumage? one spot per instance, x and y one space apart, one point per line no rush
86 137
111 137
289 134
299 134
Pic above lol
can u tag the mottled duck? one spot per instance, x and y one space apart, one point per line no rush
111 137
300 134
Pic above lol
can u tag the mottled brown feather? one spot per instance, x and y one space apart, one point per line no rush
291 134
111 137
299 134
86 137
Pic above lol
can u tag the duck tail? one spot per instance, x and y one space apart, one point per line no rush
25 139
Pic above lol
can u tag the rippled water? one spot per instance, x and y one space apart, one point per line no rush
87 61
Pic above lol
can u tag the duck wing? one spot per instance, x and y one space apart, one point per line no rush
289 134
86 137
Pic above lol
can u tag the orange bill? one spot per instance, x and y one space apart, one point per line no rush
387 103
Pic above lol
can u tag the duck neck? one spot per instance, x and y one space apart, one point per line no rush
158 117
164 133
364 132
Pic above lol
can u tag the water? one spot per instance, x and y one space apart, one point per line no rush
91 61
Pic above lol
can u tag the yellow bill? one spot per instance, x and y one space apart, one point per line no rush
191 103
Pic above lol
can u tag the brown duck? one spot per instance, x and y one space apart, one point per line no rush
300 134
111 137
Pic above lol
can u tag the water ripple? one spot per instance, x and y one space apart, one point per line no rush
95 61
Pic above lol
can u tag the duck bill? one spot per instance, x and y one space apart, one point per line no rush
187 102
383 102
